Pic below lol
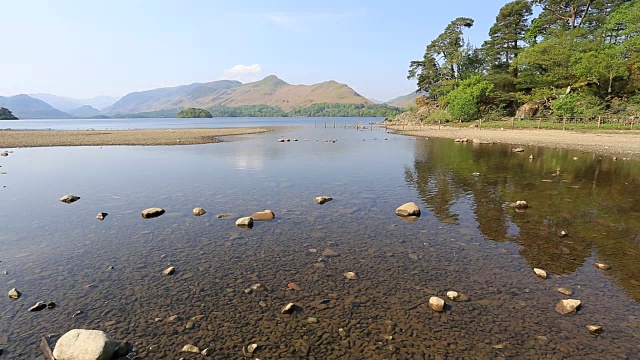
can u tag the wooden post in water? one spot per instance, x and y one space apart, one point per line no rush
599 119
314 124
334 124
325 124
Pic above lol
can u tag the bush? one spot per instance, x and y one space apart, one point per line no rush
576 105
439 115
463 102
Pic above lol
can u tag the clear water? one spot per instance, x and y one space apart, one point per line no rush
468 239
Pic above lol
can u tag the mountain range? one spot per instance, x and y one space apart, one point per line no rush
270 91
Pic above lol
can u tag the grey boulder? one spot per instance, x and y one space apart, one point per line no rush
81 344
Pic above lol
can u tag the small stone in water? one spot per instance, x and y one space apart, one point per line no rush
68 199
221 216
289 308
252 348
51 305
453 295
38 307
565 291
594 329
408 209
77 313
568 306
190 349
170 270
351 275
436 304
313 251
206 352
14 294
265 215
603 266
342 332
312 320
258 287
199 211
329 253
294 286
152 213
540 273
563 234
323 199
101 215
246 222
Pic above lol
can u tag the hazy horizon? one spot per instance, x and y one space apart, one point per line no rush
84 50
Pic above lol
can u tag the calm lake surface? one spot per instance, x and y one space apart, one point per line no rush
468 240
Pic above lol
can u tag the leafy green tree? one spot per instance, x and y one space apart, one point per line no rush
463 103
507 35
573 14
442 64
576 105
601 66
193 113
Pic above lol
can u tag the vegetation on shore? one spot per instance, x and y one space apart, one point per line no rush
193 113
576 59
5 114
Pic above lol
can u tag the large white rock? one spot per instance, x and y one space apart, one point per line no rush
436 304
246 222
81 344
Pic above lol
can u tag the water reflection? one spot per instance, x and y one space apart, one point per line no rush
592 198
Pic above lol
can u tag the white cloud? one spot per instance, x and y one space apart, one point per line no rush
243 73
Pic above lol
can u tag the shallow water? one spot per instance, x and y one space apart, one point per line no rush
468 239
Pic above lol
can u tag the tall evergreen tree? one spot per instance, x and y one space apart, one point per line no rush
507 35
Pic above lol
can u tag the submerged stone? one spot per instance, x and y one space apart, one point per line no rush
68 199
85 344
408 209
152 213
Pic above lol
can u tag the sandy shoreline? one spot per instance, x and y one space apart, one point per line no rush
46 138
614 143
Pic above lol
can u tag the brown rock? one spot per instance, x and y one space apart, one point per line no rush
101 215
408 209
351 275
68 199
323 199
265 215
294 286
329 253
568 306
245 222
540 273
152 213
14 294
38 307
170 270
565 291
289 308
602 266
594 329
436 304
199 211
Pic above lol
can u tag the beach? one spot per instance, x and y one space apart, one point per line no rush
45 138
615 143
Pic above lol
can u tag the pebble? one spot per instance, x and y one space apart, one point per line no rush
14 294
170 270
540 273
408 209
602 266
206 352
518 150
252 348
258 287
265 215
313 251
38 307
329 253
246 222
221 216
594 329
351 275
563 234
289 308
68 199
453 295
436 304
199 212
190 349
152 213
294 286
312 320
565 291
323 199
568 306
342 332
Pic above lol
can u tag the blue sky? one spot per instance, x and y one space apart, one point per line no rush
87 48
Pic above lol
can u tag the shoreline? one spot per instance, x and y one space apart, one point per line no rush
143 137
610 143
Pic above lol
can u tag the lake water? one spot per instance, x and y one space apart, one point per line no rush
468 239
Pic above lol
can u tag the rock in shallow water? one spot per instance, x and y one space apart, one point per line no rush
568 306
602 266
170 270
436 304
351 275
199 211
329 253
152 213
323 199
289 308
265 215
14 294
565 291
245 222
540 273
408 209
38 307
81 344
594 329
101 215
190 349
453 295
68 199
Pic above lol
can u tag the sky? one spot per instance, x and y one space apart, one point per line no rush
83 49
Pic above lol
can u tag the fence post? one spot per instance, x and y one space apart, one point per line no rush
633 120
438 124
513 123
539 121
480 126
599 119
460 124
564 123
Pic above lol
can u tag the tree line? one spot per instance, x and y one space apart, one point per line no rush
576 58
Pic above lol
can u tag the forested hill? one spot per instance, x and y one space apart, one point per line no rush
575 58
270 91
